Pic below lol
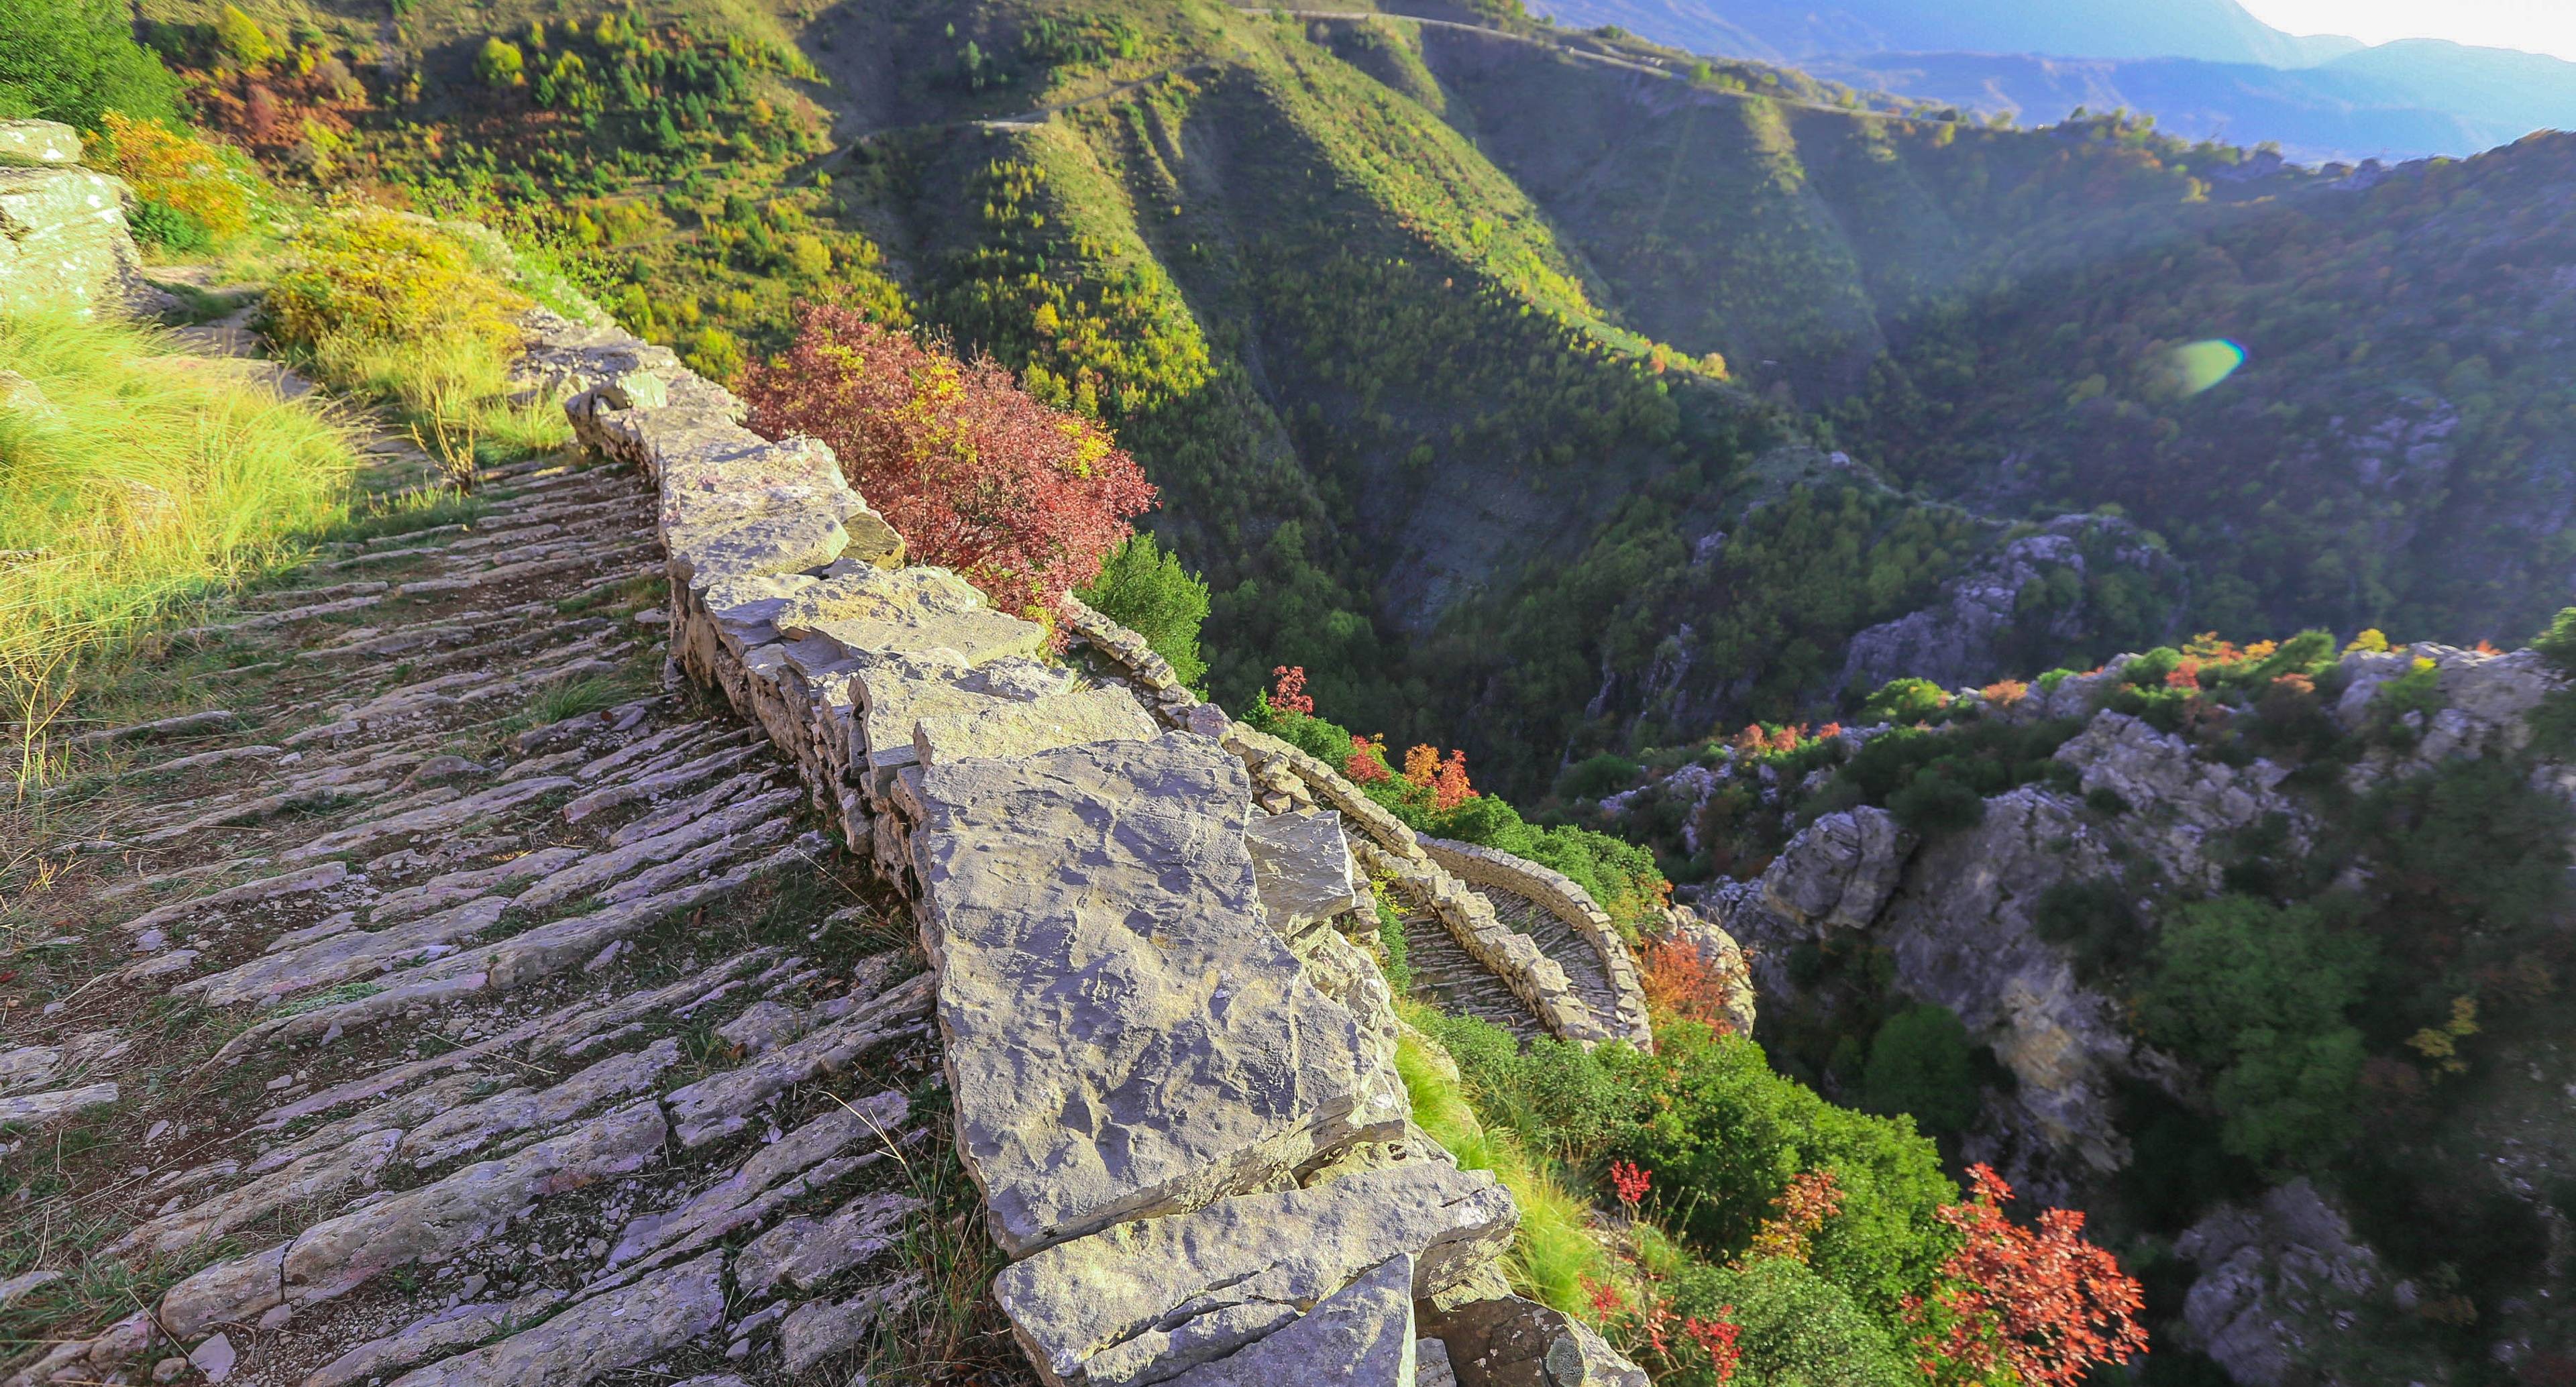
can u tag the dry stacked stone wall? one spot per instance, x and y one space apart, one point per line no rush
1174 1078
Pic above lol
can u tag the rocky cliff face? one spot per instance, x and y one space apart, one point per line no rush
2037 595
2130 820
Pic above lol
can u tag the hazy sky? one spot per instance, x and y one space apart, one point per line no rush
2542 26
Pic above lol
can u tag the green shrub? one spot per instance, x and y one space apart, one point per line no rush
1905 702
500 63
1937 802
1724 1134
421 315
2258 995
1607 773
160 224
241 39
1797 1329
2557 644
1144 588
76 60
1922 1065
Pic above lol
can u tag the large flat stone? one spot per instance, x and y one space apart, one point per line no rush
1303 865
1125 1035
1025 729
617 1330
871 611
895 691
780 542
1362 1334
1147 1300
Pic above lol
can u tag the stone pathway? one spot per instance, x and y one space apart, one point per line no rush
1448 977
1557 939
455 1001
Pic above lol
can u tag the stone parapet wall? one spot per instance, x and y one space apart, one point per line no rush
1390 849
1177 1095
1560 896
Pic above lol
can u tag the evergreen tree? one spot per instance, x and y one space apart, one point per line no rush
75 60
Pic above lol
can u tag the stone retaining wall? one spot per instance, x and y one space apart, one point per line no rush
1177 1095
1561 897
1391 850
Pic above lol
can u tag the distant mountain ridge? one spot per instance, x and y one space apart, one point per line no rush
2207 69
1786 31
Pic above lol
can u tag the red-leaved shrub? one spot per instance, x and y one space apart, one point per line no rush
1021 500
2045 1306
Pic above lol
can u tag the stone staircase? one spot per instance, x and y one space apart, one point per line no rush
438 1089
427 1041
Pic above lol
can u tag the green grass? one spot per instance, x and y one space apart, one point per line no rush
1556 1252
138 482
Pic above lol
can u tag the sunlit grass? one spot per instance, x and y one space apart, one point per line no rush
1555 1255
132 479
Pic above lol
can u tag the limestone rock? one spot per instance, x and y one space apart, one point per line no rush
2273 1276
1301 864
618 1329
1023 729
1964 936
1167 1292
63 242
868 611
1840 870
457 1327
435 1221
1431 1364
1962 638
816 1330
2180 806
1125 1035
38 143
805 1252
1512 1342
40 1110
1361 1334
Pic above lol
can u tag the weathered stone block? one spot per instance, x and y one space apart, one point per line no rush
39 143
1142 1301
1302 865
1024 729
1362 1334
1125 1035
871 611
63 242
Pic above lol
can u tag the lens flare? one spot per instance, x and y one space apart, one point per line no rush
2198 366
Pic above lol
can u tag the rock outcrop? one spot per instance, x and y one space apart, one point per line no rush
1966 637
2277 1277
63 239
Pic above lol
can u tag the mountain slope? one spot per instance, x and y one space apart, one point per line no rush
2212 30
1542 396
2198 70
